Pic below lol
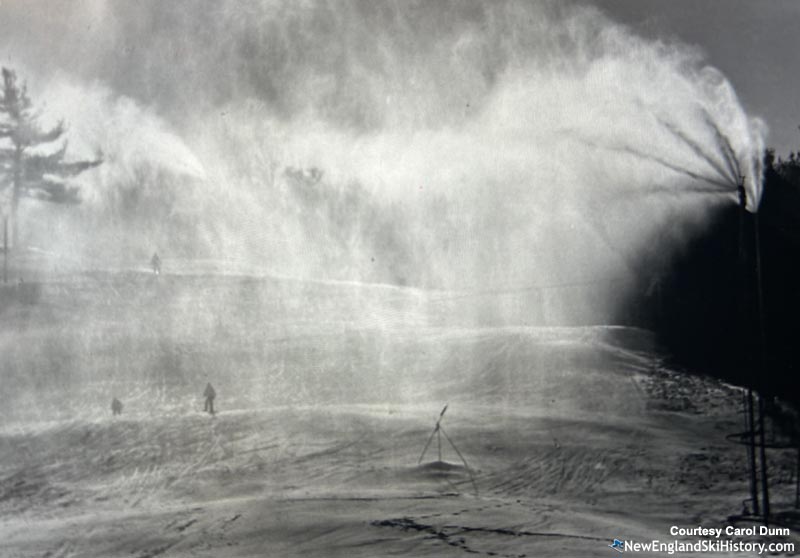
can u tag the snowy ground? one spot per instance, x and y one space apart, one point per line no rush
574 436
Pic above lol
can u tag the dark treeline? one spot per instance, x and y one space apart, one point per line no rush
704 304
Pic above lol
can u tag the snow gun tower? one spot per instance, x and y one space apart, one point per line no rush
748 436
753 347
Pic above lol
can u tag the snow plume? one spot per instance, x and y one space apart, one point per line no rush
461 145
135 201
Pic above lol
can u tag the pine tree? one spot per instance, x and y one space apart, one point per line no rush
24 169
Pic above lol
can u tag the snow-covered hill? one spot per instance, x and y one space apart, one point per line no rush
327 394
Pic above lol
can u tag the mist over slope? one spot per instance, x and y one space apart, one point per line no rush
72 345
456 145
570 435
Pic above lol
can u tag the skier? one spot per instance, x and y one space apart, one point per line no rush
209 394
155 262
116 407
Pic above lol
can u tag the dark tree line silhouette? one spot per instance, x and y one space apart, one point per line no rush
711 312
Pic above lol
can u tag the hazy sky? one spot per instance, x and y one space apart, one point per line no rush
754 43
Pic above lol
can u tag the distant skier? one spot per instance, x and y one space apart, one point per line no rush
116 407
209 394
155 263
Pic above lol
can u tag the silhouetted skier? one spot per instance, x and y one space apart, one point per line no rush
155 262
209 394
116 407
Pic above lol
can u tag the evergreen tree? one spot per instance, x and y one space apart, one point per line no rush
25 171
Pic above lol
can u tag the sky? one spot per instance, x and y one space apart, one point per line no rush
753 43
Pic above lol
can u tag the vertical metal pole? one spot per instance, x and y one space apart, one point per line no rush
439 439
751 450
762 361
747 404
763 458
743 318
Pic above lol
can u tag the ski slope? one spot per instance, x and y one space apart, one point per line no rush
573 436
